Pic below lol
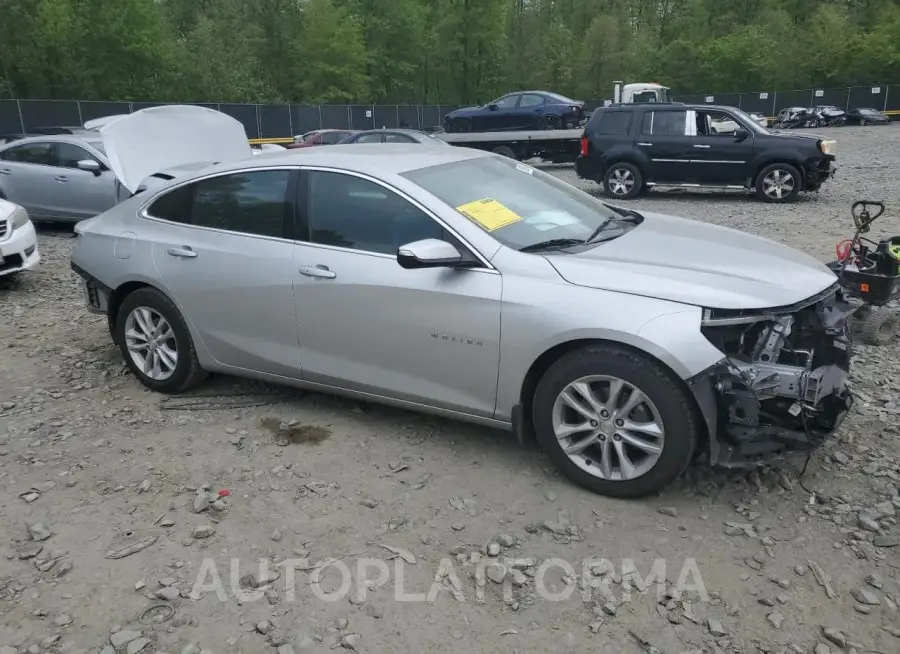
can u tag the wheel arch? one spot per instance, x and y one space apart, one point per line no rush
554 353
118 295
768 161
622 157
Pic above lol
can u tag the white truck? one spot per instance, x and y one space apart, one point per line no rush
639 92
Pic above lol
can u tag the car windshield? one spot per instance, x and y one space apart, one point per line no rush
749 121
518 205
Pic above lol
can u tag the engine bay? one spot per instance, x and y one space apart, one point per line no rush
783 383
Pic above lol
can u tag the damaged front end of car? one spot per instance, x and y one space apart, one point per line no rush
782 386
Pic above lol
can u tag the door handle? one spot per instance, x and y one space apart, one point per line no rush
183 253
5 171
319 271
645 145
702 147
61 178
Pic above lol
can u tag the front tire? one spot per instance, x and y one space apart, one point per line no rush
615 421
778 183
623 181
156 343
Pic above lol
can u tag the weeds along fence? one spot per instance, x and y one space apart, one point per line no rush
279 122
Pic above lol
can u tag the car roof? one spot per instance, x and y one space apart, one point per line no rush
399 130
90 138
376 159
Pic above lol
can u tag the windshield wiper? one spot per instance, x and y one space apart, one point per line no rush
551 244
627 215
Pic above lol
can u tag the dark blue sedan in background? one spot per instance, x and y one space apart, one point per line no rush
523 110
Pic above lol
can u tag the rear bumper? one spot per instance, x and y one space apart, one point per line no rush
19 251
588 168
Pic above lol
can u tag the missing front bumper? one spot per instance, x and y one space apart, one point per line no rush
740 438
782 386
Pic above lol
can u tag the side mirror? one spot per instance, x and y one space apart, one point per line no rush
428 253
89 165
492 107
741 134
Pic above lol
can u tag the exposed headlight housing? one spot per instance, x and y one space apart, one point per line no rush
19 218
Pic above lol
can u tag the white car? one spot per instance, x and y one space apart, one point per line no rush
18 240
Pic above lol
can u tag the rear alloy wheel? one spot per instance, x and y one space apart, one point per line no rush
461 125
778 183
156 343
615 421
623 181
550 122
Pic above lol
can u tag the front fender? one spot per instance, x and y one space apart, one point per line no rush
540 314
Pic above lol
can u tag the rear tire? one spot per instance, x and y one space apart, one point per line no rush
664 404
879 326
863 123
132 330
778 183
623 181
551 122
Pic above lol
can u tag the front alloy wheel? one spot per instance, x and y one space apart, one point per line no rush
615 421
608 427
778 183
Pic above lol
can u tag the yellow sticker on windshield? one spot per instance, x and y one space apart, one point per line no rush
489 213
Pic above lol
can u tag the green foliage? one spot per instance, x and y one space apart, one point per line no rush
435 51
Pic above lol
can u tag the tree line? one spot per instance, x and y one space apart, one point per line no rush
435 51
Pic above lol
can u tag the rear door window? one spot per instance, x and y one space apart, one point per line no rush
333 138
250 203
664 123
31 153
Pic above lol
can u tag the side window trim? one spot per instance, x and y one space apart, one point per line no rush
302 220
288 223
690 123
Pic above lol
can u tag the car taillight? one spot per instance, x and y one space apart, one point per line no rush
584 146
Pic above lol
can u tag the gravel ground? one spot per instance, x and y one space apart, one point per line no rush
116 502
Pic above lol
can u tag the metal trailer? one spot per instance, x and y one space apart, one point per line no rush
552 145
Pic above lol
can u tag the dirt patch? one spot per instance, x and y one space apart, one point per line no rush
294 433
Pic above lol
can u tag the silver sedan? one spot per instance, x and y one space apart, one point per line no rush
465 284
63 178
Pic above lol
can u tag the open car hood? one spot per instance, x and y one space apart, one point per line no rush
697 263
96 123
159 138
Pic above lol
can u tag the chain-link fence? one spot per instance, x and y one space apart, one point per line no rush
282 121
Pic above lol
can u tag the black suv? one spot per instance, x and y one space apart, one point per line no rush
630 147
